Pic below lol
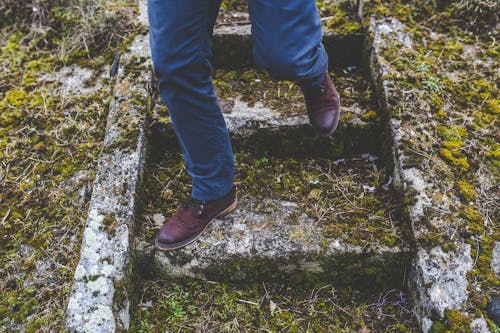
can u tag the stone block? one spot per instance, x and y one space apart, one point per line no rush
101 293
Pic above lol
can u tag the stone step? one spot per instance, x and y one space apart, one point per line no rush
342 36
232 41
263 114
305 220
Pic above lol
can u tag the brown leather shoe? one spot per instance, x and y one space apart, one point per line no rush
191 219
323 106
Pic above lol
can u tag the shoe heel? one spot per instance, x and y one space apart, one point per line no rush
229 209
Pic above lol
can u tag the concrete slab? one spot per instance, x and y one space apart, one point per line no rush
272 240
100 298
440 269
332 223
269 115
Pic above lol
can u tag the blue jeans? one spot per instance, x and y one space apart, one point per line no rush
287 43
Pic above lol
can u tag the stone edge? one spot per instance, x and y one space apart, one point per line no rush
101 293
438 281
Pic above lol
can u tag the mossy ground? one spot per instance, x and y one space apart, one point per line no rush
451 73
49 145
252 86
198 306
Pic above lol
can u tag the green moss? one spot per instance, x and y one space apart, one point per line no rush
341 20
437 327
455 157
109 225
195 305
457 322
467 190
370 116
234 5
15 98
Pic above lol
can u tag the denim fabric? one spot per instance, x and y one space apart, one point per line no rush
287 43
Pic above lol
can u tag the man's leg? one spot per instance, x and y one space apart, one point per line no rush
180 32
288 44
288 39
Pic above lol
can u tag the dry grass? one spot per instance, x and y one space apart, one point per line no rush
196 306
83 26
51 131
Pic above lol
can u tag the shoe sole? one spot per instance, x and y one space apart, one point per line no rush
186 242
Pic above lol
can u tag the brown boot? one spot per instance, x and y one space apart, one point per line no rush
323 106
191 219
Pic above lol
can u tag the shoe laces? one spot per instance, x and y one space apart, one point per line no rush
197 205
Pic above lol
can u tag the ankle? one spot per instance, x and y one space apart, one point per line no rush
311 83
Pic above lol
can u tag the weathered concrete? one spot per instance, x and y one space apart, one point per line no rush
261 127
100 299
273 240
445 275
479 325
291 134
496 259
74 80
438 281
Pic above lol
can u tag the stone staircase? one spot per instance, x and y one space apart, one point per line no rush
313 211
308 204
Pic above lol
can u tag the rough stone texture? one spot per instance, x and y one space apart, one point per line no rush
143 12
257 125
99 300
439 279
446 276
242 119
496 259
140 47
271 240
479 325
73 81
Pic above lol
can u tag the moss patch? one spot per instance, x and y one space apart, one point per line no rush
49 145
196 305
448 74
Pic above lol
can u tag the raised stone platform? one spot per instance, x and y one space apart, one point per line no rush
298 219
100 298
440 281
261 113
